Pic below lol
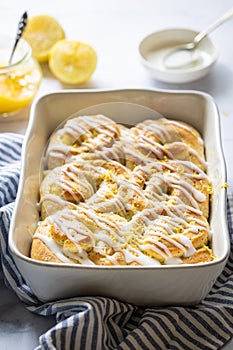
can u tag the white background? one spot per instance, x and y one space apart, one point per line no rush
114 28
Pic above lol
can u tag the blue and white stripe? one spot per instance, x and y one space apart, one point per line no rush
9 166
98 323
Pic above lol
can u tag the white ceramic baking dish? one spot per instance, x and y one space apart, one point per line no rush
158 285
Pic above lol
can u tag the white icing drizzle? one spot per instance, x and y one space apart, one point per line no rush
73 232
83 124
196 154
132 254
50 243
171 260
180 125
196 173
54 198
157 129
154 147
82 257
59 151
164 190
185 243
157 247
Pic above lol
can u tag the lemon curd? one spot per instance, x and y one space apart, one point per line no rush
20 79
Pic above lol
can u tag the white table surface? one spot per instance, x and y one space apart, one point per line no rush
114 28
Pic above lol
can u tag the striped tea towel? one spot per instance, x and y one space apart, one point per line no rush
98 323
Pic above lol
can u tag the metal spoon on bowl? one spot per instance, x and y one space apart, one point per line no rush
184 55
21 26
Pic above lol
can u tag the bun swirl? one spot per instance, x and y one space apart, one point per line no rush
163 139
86 138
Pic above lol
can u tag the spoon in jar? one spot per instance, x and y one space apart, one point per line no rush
184 55
21 26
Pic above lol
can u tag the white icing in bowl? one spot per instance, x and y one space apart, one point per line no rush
155 47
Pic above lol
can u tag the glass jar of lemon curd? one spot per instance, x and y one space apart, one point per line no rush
19 79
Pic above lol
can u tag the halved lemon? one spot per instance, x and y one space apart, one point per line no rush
42 32
72 62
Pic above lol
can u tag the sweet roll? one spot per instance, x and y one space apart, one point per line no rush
113 195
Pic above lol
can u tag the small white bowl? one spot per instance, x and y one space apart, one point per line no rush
155 46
